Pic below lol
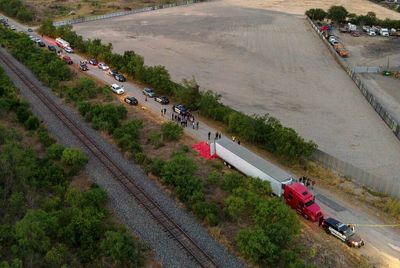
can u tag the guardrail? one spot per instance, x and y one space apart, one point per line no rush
124 13
390 186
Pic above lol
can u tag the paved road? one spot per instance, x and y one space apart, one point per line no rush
382 243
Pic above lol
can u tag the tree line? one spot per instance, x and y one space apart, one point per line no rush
340 14
17 9
266 131
43 220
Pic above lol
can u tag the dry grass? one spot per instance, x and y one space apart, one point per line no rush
63 9
300 6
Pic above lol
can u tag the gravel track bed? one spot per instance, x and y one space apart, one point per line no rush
168 252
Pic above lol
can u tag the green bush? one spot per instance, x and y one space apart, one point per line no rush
316 14
127 136
171 131
207 212
139 158
75 159
156 166
32 123
44 137
156 139
84 89
55 151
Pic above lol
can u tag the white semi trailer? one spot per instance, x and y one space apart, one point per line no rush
237 156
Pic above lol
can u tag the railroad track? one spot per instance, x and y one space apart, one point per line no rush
163 219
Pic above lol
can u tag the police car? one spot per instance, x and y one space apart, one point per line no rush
343 232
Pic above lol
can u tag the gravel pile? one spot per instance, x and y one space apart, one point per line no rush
169 253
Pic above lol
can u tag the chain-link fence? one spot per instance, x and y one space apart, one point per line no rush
390 186
123 13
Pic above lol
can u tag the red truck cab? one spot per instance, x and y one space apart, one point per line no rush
67 59
299 198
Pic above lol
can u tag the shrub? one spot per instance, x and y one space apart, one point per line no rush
171 131
32 123
207 212
55 151
156 166
232 181
139 158
45 137
156 139
316 14
127 135
75 159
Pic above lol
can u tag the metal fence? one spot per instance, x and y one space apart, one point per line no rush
391 119
390 186
367 69
123 13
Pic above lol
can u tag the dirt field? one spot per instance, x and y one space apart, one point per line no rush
299 7
60 9
261 62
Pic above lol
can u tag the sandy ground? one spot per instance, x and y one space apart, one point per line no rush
261 62
300 6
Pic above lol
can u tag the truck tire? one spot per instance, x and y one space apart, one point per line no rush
306 216
229 166
327 231
225 164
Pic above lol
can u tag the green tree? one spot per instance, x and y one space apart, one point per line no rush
74 158
316 14
337 13
56 256
171 131
121 249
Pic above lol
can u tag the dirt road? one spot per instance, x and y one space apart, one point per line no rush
261 62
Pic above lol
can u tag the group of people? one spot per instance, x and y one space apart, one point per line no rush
217 135
184 120
307 182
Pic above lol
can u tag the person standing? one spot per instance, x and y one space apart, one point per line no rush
209 135
197 125
165 111
193 124
162 112
239 142
145 97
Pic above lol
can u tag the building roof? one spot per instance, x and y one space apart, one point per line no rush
255 160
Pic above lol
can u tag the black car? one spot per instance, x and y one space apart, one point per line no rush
180 109
119 77
52 48
93 61
30 30
41 44
131 100
162 99
342 231
83 67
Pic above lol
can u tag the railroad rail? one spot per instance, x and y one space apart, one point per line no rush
163 219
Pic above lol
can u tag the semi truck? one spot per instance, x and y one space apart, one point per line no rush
62 43
282 183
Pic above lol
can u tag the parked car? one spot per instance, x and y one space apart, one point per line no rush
32 38
342 231
67 59
93 62
83 66
12 27
119 77
162 99
41 44
30 30
180 109
149 92
52 48
355 33
83 62
103 66
69 50
131 100
117 89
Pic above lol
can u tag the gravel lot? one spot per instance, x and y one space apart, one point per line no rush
261 62
168 252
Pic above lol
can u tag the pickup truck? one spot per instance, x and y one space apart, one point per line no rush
342 231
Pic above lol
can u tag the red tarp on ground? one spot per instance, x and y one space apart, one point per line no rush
203 148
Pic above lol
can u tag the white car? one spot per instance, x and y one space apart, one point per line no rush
371 32
12 27
117 89
103 66
68 50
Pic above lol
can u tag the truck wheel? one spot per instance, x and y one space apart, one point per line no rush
225 164
305 216
229 166
327 231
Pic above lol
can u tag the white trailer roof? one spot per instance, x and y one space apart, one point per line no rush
255 160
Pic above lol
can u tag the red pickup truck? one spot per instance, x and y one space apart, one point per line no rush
67 59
